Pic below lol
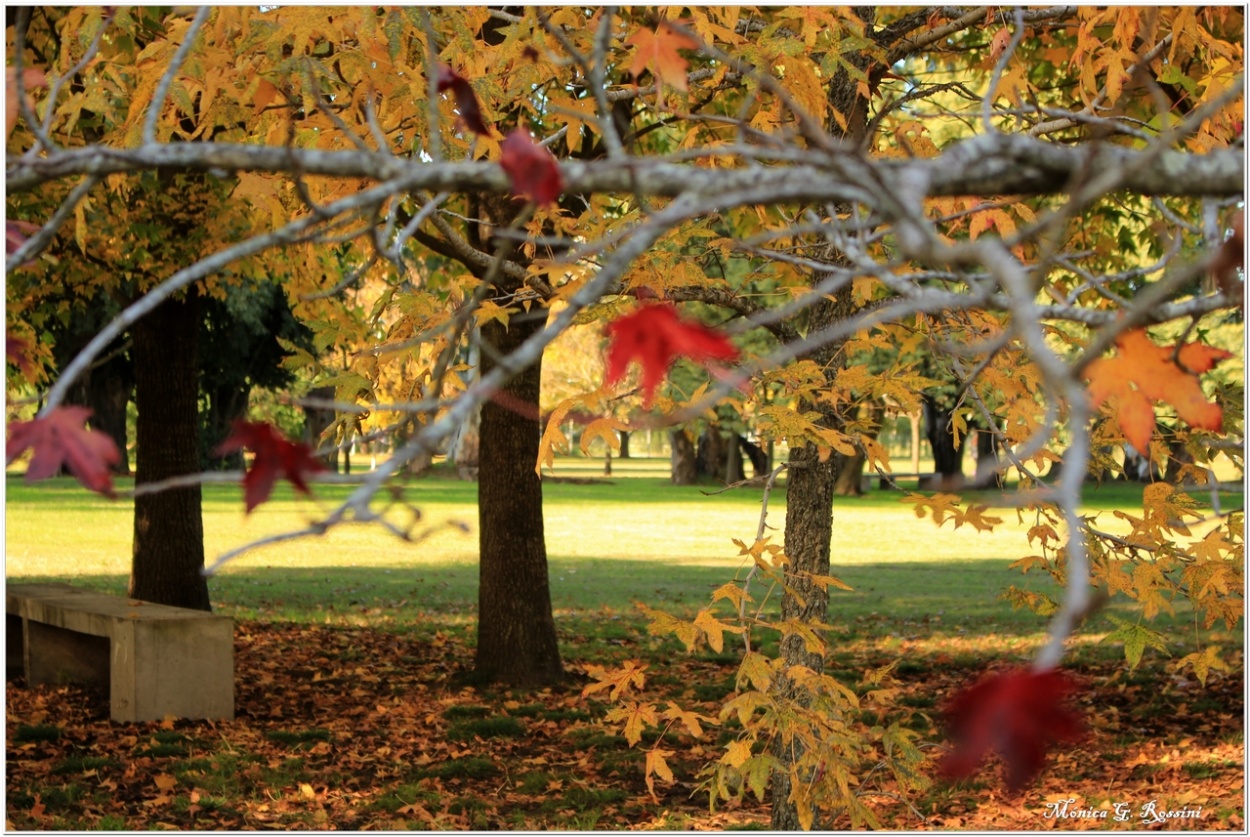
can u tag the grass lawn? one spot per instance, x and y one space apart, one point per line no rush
353 626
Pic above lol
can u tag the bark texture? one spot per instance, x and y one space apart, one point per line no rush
516 640
809 533
168 560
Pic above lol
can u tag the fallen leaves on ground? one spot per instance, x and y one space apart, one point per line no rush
363 729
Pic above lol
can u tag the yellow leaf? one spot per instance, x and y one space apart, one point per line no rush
714 628
657 766
736 754
756 671
603 428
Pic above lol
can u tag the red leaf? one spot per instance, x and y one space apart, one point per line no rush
15 352
61 439
466 99
1016 714
15 235
532 169
275 456
654 336
32 77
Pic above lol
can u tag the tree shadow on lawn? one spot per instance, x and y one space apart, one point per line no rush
892 603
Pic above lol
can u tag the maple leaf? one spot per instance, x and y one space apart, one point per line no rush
61 438
16 351
654 336
275 456
32 77
1142 373
466 99
15 235
1016 714
531 168
657 51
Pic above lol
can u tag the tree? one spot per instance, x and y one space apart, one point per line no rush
875 208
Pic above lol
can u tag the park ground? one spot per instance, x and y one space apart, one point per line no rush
353 712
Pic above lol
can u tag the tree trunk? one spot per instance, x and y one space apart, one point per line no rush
685 469
947 456
316 420
988 460
223 406
809 531
850 481
168 560
624 454
733 461
516 636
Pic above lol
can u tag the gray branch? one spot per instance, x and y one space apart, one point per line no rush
983 166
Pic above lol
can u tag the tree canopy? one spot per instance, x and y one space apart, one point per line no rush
1037 206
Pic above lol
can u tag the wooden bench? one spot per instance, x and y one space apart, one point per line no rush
154 660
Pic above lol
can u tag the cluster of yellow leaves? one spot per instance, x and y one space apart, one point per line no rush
1153 565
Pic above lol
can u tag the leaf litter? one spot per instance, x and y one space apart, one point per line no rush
343 728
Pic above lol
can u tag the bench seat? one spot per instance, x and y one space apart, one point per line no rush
154 660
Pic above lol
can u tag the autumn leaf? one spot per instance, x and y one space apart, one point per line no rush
32 77
466 100
531 168
61 438
657 51
275 456
657 765
16 351
1016 714
1142 373
999 43
1135 638
15 235
655 336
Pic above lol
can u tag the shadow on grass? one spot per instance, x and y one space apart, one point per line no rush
596 597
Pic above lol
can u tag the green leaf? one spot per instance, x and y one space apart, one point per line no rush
1135 639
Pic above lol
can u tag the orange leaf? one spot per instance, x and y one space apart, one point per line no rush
1142 373
657 51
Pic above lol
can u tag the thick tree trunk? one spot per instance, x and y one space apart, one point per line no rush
685 468
516 637
624 454
168 560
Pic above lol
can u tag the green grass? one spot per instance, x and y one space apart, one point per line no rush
612 543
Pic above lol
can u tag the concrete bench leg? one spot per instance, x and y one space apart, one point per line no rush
181 668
